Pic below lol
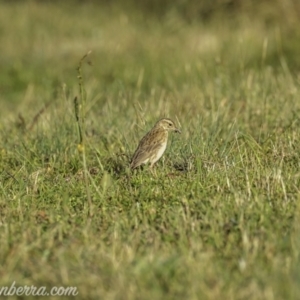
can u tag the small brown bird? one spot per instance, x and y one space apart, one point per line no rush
153 145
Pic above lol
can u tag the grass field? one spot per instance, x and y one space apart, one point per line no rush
221 220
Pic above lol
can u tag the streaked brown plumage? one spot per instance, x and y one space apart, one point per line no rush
153 144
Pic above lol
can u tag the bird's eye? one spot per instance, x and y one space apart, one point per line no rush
170 124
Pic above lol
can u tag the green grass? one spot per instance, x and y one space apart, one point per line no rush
221 218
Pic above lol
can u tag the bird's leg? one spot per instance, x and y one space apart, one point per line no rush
153 170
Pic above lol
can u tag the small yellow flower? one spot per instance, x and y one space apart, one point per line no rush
80 148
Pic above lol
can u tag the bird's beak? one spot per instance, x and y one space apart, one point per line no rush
177 130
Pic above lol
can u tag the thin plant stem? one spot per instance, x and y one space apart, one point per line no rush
79 107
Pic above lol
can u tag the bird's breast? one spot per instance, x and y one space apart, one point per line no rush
160 151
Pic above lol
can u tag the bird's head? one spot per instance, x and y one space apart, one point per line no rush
167 124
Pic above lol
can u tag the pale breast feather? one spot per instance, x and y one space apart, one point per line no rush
160 152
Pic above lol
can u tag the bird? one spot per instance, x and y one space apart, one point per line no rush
153 145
